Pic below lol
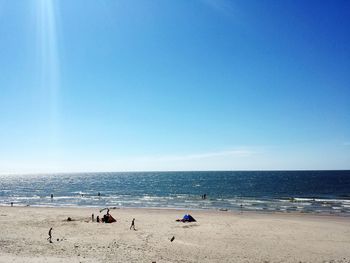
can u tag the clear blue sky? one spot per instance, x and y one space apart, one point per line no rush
119 85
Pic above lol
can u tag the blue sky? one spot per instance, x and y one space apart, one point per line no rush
118 85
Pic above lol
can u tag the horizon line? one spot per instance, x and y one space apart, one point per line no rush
174 171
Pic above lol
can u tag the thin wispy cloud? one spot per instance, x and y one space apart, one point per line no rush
212 160
207 155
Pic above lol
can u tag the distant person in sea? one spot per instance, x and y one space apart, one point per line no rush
98 194
51 196
50 235
11 203
133 224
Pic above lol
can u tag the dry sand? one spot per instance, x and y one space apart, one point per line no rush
216 237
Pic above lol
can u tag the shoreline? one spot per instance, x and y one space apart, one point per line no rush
210 210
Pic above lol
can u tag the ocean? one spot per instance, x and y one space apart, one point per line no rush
326 192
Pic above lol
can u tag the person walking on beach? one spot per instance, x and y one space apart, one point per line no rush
50 235
133 224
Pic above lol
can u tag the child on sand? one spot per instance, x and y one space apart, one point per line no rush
50 235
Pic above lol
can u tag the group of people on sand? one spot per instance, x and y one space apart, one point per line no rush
108 218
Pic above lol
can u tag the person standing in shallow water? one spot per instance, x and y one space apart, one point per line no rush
133 224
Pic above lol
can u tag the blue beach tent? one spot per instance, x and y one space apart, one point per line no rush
188 218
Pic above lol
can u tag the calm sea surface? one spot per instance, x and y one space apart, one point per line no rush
285 191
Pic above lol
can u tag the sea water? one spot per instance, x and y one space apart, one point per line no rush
284 191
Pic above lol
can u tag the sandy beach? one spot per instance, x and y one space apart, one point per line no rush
217 236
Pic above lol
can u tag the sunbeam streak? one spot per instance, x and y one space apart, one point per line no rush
49 62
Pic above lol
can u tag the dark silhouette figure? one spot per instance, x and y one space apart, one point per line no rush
108 218
98 219
51 196
105 218
133 224
98 194
11 203
50 235
92 217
